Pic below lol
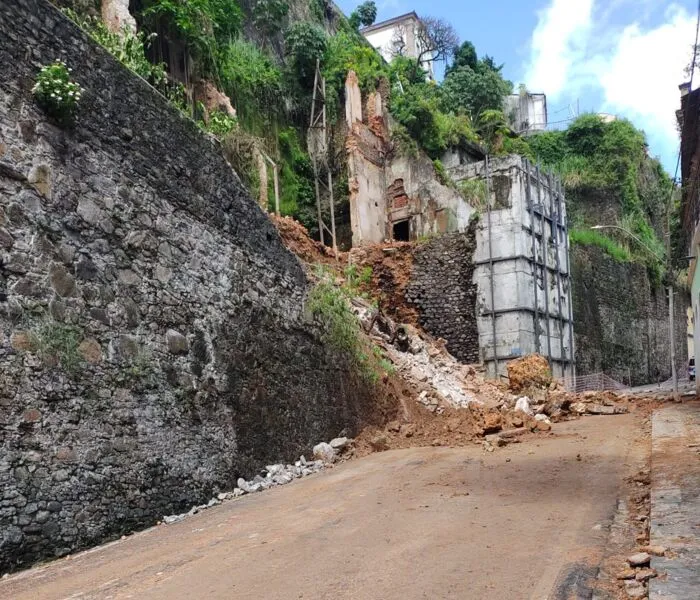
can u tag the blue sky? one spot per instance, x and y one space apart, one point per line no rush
623 57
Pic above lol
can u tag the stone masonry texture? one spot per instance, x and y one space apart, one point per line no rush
153 340
621 320
443 291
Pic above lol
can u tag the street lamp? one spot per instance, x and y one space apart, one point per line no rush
674 375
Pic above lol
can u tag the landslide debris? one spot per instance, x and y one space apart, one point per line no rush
531 371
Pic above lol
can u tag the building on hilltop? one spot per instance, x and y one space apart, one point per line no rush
400 36
526 112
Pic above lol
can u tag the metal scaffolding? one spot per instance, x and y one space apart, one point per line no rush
320 157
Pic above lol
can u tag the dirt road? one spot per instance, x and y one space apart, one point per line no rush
529 521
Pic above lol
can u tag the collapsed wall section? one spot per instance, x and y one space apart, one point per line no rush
154 344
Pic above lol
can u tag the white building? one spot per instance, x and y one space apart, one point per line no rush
527 112
399 36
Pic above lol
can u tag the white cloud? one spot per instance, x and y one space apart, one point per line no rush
642 76
634 67
558 43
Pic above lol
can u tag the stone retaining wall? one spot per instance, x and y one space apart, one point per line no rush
621 320
153 342
444 293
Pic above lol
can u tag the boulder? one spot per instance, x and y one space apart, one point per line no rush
522 404
324 452
529 371
339 443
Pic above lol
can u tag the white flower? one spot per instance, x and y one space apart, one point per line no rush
53 95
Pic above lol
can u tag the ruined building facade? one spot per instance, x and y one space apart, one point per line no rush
520 259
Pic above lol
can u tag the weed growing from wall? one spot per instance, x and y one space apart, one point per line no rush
56 344
329 305
55 93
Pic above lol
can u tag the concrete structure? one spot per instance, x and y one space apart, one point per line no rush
398 37
526 112
522 266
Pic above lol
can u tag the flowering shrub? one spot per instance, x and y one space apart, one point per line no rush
56 93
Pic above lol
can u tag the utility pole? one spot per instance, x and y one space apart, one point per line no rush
671 335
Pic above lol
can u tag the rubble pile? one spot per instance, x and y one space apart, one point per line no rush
325 454
296 238
529 371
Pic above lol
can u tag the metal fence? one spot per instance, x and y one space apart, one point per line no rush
593 382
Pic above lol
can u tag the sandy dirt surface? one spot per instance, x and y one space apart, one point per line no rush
528 521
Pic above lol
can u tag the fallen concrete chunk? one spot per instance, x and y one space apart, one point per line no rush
522 404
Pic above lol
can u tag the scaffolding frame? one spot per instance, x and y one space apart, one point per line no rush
320 158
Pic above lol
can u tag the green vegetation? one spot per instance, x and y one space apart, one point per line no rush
253 82
219 124
56 344
589 237
474 192
329 304
127 47
365 14
55 93
596 156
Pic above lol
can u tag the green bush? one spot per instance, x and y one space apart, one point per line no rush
329 304
297 195
350 51
474 191
204 25
55 93
219 124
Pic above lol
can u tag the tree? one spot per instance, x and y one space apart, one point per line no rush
474 90
268 15
436 40
365 14
464 56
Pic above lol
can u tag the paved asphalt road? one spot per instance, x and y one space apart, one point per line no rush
525 522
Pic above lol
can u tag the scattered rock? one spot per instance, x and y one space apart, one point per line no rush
522 404
635 589
21 340
90 350
626 573
339 443
640 559
578 407
324 452
645 574
654 550
379 443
